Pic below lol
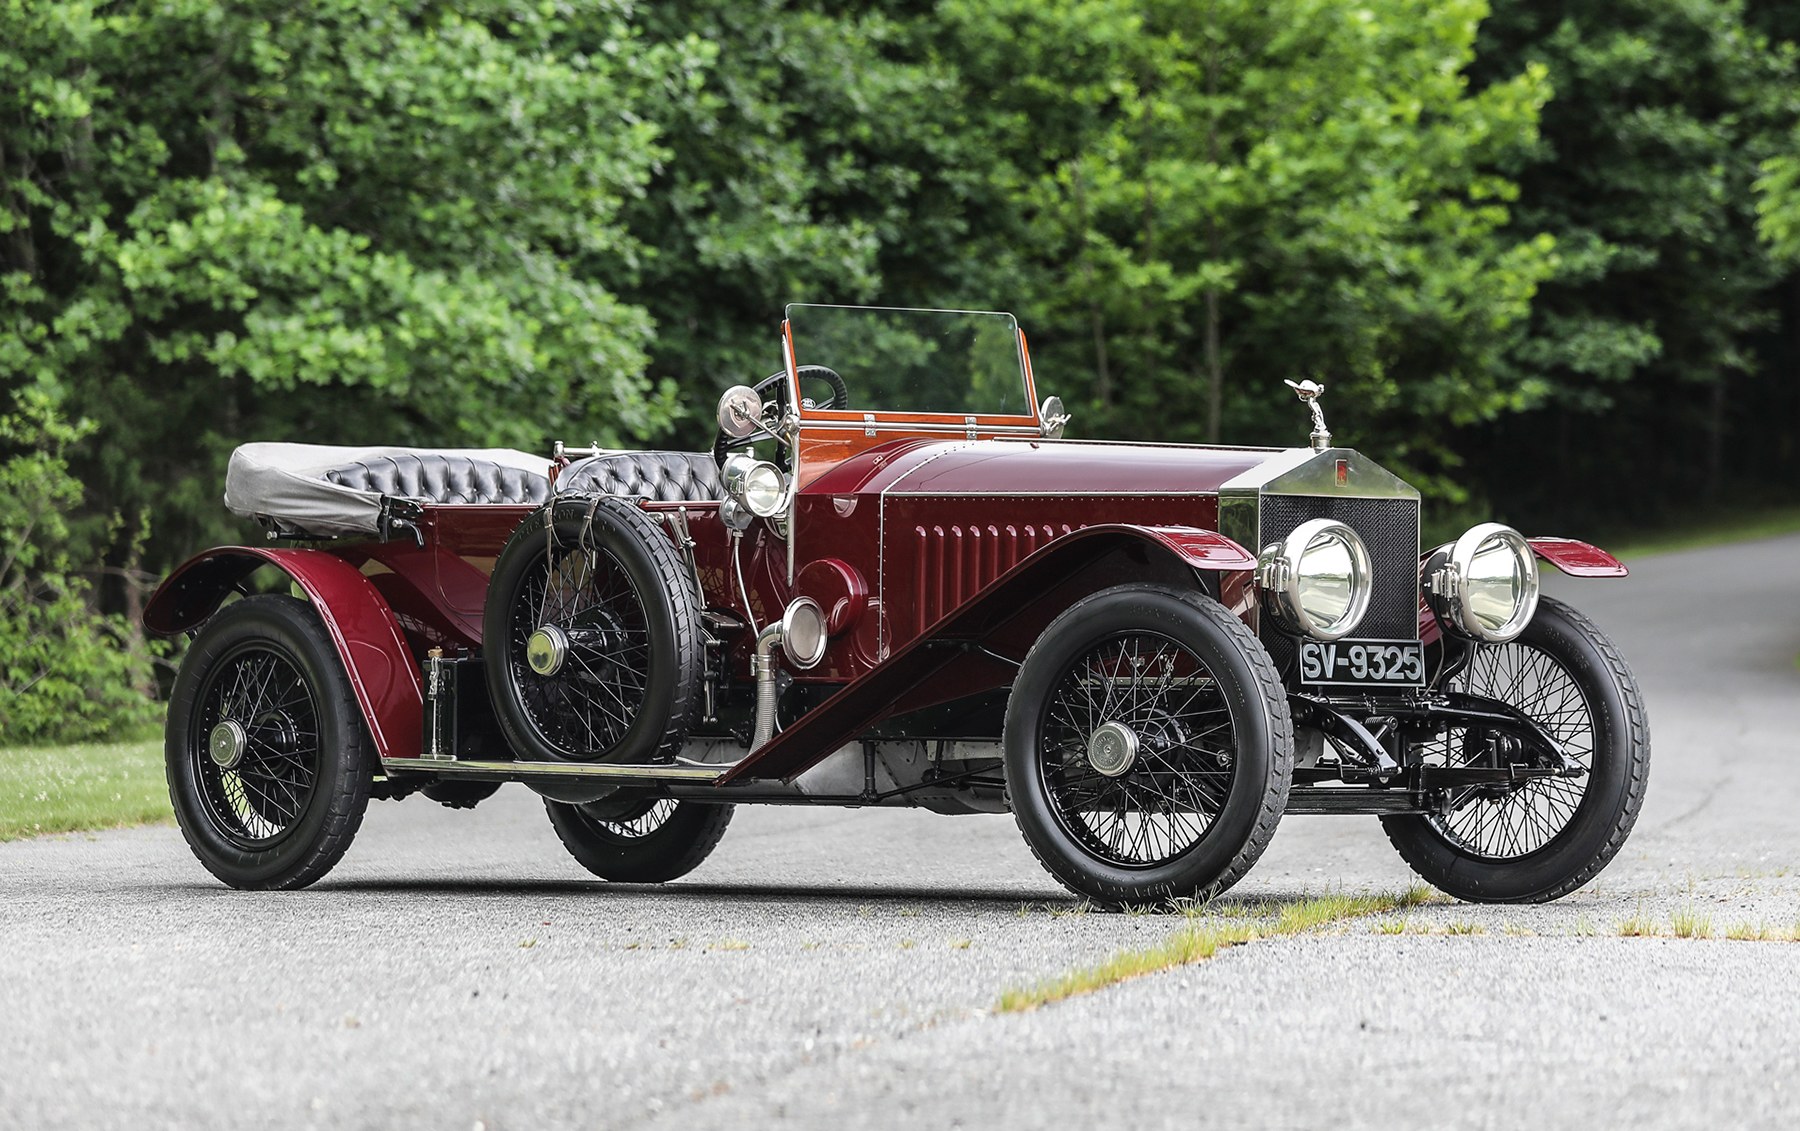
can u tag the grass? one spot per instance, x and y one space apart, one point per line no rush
1749 932
1639 927
1714 530
1206 935
59 789
1688 924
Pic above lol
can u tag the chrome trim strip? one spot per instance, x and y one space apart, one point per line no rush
959 430
1170 494
1301 471
553 769
1282 461
1087 443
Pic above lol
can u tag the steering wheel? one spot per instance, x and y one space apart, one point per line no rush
777 383
840 393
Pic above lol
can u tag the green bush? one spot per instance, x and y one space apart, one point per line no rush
67 672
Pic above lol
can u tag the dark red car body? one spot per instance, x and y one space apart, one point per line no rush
939 548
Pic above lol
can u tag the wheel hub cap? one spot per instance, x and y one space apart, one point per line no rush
226 744
1112 749
546 650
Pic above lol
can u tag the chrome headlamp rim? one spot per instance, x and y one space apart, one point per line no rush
1447 584
738 473
1280 575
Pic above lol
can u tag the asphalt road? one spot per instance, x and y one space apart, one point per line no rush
838 968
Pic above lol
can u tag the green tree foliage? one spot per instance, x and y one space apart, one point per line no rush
375 223
67 673
1645 339
821 156
1778 203
412 221
1222 195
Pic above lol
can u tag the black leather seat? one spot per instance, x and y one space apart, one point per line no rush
440 477
663 477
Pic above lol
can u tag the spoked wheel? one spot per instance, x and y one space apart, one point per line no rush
1148 746
639 839
592 636
267 755
1544 838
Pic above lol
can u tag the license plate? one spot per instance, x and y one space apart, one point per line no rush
1384 663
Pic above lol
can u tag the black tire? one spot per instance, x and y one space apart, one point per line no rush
455 794
1199 802
1551 836
639 840
612 582
264 680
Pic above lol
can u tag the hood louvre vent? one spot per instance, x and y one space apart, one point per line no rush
955 562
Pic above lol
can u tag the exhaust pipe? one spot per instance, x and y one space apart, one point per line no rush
762 667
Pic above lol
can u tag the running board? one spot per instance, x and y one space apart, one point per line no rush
574 771
1338 799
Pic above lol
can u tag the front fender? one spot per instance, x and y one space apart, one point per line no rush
926 658
1201 549
369 642
1577 559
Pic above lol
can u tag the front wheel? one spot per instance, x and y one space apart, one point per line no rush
637 839
1543 839
269 761
1148 746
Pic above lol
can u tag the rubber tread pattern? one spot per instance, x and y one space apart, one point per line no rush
1401 831
700 829
1281 768
347 794
684 602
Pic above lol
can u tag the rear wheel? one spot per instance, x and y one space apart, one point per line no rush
268 759
1539 841
1148 745
639 839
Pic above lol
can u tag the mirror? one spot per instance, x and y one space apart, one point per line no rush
740 412
1052 418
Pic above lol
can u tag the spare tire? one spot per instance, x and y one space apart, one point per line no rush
591 634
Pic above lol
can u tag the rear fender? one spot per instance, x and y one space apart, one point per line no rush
953 657
362 626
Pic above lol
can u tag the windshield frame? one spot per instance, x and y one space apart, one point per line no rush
872 421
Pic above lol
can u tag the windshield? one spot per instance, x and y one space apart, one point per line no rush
895 360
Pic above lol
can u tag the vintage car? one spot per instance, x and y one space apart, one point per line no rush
893 582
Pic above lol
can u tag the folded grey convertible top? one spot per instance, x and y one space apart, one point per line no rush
331 491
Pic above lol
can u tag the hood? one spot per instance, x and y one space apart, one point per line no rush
1039 467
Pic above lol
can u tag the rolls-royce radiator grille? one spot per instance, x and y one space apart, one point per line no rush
1390 529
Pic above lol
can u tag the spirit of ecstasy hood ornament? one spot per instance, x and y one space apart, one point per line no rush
1309 392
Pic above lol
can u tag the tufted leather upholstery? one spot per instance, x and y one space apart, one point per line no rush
439 477
663 477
